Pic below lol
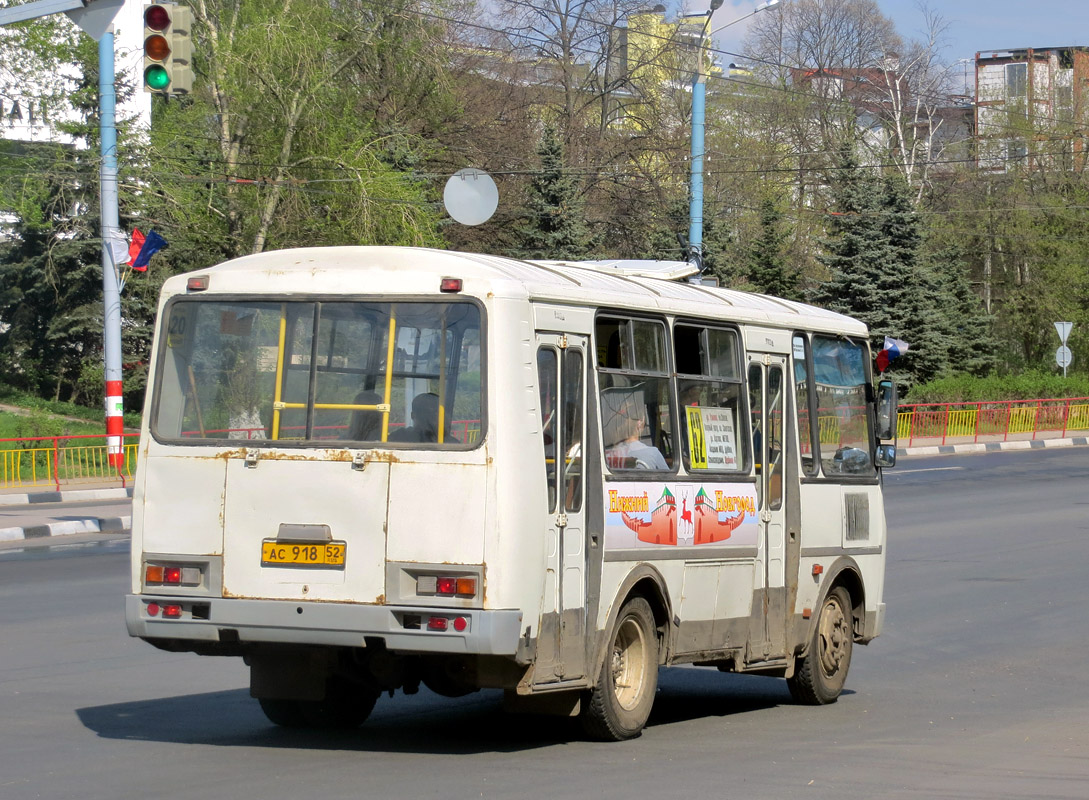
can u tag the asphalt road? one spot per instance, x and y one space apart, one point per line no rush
976 689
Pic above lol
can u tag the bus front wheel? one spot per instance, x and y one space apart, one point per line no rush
819 676
620 705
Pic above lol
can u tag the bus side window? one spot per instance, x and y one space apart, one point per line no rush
636 407
572 428
548 382
807 446
711 397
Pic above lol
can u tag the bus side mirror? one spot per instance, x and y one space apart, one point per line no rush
886 455
887 406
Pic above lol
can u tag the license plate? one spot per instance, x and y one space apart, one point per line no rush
277 553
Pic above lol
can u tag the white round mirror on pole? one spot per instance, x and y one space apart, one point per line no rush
470 196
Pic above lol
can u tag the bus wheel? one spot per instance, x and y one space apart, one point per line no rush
620 705
346 705
819 676
285 713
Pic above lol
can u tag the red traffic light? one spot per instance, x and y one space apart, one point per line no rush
157 18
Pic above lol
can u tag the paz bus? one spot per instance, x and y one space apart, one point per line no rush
365 469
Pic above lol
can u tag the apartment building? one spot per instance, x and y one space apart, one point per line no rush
1031 108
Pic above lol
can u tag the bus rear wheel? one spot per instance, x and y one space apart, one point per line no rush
346 705
820 675
620 705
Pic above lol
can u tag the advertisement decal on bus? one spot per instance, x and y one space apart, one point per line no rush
674 514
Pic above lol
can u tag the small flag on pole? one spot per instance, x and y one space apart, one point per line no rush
894 348
153 243
135 245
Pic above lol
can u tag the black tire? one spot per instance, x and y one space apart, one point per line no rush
346 705
819 676
285 713
618 708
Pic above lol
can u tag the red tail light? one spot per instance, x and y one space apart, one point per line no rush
437 623
172 612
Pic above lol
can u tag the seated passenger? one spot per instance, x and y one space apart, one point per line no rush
366 424
425 422
625 421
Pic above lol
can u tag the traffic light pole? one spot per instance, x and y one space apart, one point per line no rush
110 226
95 17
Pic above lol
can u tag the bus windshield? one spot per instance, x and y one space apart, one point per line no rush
406 373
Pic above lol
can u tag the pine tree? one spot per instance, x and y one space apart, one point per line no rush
973 348
768 268
919 306
873 255
556 225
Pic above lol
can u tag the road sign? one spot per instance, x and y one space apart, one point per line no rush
1063 329
1063 357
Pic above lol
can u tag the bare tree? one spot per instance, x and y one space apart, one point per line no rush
916 109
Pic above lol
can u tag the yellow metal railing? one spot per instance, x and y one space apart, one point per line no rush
1002 418
56 460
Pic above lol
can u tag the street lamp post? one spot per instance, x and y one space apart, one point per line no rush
699 102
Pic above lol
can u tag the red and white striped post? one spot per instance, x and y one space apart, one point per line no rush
115 424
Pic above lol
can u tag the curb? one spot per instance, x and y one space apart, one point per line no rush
991 447
68 528
65 496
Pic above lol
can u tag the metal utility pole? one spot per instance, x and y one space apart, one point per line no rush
699 103
95 17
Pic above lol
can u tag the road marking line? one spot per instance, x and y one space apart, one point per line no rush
927 469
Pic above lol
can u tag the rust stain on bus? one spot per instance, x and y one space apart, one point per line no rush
336 456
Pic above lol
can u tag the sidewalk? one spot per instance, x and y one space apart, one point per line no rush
66 527
990 444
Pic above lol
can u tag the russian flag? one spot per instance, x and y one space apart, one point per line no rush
894 348
151 245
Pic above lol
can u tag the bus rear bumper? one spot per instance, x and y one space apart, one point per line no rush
233 622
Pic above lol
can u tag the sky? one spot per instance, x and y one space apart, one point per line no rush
974 25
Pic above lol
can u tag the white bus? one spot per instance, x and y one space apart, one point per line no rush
366 468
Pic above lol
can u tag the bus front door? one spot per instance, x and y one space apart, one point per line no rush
561 632
767 402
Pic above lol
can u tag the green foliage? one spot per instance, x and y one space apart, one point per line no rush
283 143
94 417
51 264
880 274
555 226
768 268
1033 385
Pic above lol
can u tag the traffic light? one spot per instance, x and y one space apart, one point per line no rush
168 49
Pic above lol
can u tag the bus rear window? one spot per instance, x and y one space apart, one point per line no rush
313 372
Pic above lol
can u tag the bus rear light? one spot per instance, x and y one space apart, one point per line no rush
153 609
172 612
460 624
446 585
450 285
437 623
197 283
157 574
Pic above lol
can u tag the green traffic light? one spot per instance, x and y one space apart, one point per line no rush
156 78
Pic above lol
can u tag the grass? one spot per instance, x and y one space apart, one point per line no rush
44 413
